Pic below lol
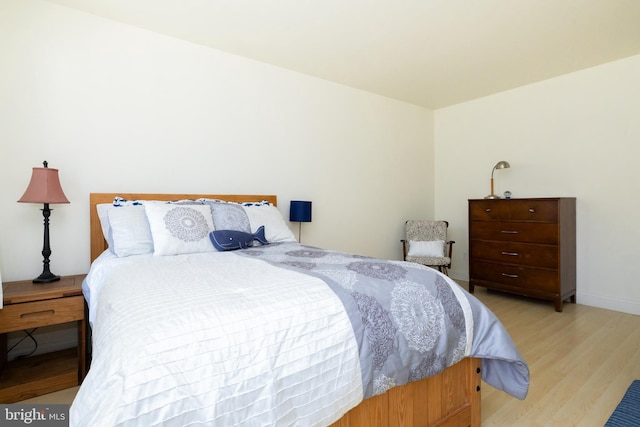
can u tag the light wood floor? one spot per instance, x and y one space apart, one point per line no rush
581 361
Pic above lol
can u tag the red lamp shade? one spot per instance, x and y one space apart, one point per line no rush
44 187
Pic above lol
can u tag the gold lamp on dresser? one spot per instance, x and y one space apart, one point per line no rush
500 165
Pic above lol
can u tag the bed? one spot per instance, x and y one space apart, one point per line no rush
160 358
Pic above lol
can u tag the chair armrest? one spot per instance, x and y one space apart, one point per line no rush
450 243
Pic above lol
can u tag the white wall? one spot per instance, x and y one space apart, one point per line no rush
116 108
575 135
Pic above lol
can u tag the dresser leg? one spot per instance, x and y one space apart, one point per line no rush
471 288
558 305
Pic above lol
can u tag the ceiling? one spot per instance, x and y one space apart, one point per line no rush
432 53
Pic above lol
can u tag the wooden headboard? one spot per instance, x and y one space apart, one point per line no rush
99 244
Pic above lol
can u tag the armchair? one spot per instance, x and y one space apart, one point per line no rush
426 243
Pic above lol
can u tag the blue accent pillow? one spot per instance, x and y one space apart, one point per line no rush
228 240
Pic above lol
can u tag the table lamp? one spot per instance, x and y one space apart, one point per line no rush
500 165
300 211
44 187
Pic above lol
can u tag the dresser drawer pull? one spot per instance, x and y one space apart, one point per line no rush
509 231
488 210
513 276
510 253
37 313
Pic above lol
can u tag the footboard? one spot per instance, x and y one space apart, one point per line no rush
451 398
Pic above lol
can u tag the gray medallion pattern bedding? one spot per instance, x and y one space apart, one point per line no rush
407 318
411 325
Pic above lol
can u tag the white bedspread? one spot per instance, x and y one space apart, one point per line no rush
210 348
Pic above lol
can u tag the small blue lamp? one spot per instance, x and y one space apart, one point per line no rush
300 211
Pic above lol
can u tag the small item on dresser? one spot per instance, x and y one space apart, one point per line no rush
507 194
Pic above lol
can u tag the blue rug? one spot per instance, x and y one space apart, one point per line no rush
627 413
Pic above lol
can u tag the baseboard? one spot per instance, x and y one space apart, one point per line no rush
616 304
600 301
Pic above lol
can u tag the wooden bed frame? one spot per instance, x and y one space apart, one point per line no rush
451 398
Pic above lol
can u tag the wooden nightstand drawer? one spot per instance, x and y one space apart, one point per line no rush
41 313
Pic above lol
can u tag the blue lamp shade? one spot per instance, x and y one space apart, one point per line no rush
300 211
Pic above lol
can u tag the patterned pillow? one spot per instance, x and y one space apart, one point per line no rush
179 229
230 216
127 231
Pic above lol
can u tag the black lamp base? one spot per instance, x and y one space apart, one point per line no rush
46 277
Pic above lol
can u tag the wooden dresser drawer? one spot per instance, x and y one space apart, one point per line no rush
41 313
533 210
541 210
486 210
516 253
541 280
512 231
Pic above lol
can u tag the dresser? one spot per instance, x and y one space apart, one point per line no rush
524 246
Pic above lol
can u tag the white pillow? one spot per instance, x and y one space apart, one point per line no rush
118 203
276 230
426 249
129 232
103 213
179 229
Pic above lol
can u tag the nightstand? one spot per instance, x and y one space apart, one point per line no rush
28 305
